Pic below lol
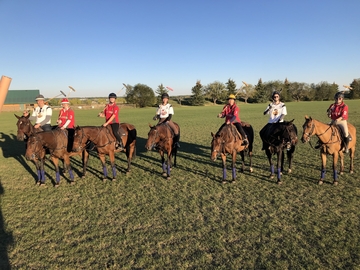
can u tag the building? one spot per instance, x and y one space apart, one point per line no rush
19 100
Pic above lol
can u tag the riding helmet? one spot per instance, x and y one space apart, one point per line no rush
112 95
40 97
275 93
165 95
231 96
339 95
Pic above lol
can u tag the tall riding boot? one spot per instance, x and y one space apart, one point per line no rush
244 136
176 140
346 141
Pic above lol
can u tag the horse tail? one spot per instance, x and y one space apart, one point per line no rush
132 133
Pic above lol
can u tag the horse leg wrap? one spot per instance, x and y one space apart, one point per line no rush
57 177
279 173
233 173
39 175
224 173
113 171
272 169
323 174
71 175
105 171
168 169
335 175
164 167
42 176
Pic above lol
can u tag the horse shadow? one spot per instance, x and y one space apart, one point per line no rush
6 238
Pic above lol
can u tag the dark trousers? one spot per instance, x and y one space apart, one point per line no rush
238 127
70 144
115 128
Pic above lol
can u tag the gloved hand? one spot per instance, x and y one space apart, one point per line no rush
155 117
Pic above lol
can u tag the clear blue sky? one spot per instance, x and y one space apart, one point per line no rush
95 46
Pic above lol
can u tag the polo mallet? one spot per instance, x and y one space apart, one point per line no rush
62 93
119 91
125 86
348 87
71 90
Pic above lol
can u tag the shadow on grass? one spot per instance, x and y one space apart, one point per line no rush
6 238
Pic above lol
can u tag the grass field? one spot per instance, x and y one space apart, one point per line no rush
193 221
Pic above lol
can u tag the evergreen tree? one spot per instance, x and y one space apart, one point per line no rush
197 98
159 91
231 87
261 96
355 91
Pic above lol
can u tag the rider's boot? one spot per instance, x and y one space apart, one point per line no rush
245 141
346 141
119 145
176 141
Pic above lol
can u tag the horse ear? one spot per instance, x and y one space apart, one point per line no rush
212 135
291 121
306 117
18 117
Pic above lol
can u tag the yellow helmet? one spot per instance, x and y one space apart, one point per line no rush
231 96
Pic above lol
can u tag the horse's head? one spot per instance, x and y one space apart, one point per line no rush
34 149
23 127
308 129
153 138
290 134
80 140
216 145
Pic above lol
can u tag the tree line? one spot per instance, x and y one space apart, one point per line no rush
217 92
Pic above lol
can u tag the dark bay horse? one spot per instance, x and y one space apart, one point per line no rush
229 141
161 138
24 130
56 141
331 144
281 137
104 141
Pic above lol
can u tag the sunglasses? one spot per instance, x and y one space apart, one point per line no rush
276 96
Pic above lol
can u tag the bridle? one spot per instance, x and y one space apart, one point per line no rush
38 149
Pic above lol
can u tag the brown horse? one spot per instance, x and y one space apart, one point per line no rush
280 137
56 141
161 138
24 130
330 137
229 141
104 140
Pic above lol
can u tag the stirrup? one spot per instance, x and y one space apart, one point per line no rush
245 142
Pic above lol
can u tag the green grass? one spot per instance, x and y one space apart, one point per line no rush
193 221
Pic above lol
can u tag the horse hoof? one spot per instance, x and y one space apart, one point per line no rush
289 171
38 183
320 182
271 176
335 183
164 174
168 178
104 180
351 172
42 185
341 173
72 182
233 181
224 182
83 177
251 169
113 180
56 185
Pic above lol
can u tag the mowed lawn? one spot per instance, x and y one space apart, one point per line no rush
193 221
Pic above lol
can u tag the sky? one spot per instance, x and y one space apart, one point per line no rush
97 45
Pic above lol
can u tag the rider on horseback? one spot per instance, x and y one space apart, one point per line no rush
41 114
277 111
164 113
111 114
231 114
338 112
66 121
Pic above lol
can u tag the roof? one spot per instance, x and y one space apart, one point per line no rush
21 96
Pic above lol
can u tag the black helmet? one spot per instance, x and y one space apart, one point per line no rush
165 95
275 93
112 95
339 95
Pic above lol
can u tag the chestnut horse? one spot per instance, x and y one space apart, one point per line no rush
56 141
161 137
229 141
281 138
330 137
104 140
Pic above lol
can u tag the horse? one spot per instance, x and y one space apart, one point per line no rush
229 141
281 137
104 140
24 130
161 138
331 141
56 141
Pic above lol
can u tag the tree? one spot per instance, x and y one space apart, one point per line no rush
246 91
298 91
261 96
197 98
231 87
355 91
325 91
159 91
141 95
215 91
